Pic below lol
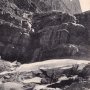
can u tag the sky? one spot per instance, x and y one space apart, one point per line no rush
85 5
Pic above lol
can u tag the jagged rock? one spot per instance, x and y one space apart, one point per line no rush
60 5
78 33
63 83
10 12
84 19
26 5
41 20
86 71
78 86
68 6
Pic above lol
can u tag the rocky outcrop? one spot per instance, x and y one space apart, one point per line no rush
29 36
39 21
65 33
11 8
84 19
27 5
14 41
61 41
60 37
66 6
78 33
71 7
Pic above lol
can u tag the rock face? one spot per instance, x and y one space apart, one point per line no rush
28 35
58 51
25 5
60 37
50 19
66 6
64 33
65 37
13 41
84 19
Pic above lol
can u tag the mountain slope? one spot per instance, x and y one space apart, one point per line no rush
67 6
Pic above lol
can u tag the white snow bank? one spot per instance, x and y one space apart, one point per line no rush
50 64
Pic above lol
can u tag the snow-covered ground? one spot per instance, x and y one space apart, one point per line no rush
50 64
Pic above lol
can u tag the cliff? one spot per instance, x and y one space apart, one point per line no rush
28 36
67 6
